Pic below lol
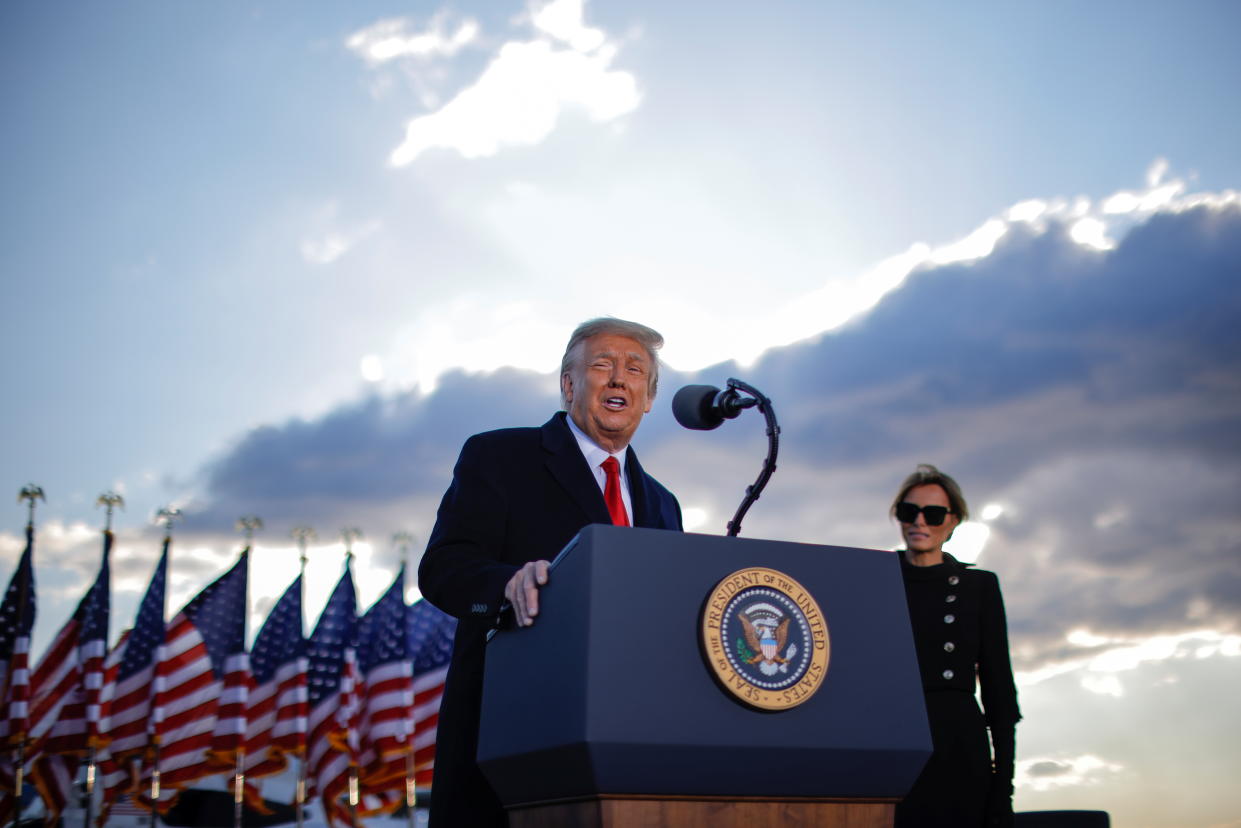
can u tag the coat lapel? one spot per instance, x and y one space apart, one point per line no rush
645 508
568 467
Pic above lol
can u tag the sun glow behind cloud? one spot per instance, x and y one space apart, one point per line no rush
968 541
1110 656
559 63
693 518
371 368
474 333
483 332
1091 232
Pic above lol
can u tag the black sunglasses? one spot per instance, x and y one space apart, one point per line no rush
907 512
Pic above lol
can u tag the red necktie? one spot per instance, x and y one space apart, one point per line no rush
612 493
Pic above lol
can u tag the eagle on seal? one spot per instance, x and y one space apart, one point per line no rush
765 647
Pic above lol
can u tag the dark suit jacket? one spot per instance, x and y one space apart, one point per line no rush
517 495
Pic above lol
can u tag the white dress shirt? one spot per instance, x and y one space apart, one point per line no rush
595 455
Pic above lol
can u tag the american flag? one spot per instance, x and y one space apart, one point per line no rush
430 633
387 727
16 623
278 704
125 705
64 691
332 743
222 624
202 673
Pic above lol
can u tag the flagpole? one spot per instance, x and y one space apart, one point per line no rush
303 535
247 524
168 515
109 500
403 541
350 535
31 493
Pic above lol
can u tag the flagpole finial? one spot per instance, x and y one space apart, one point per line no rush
110 500
303 535
247 524
403 541
31 492
167 516
350 534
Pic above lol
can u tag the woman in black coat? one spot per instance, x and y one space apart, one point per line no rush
961 638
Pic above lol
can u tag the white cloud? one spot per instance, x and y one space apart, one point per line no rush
371 368
1156 171
1047 773
1149 201
515 334
325 249
475 332
392 39
54 537
65 560
1029 211
1158 648
520 96
329 244
1091 225
562 19
1103 685
1111 517
1111 656
976 245
1091 232
1085 638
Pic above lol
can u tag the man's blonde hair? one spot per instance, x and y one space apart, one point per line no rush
649 338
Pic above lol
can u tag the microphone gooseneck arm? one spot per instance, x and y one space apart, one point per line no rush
769 464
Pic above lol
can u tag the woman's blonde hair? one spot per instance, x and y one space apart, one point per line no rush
928 475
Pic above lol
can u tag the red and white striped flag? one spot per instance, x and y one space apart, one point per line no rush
387 725
278 703
128 688
430 635
17 613
65 687
332 743
200 683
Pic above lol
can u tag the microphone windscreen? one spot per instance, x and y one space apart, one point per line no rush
692 406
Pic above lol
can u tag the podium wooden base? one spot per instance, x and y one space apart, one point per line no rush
657 812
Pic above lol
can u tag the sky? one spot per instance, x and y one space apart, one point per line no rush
280 259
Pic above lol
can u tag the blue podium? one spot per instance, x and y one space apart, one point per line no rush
607 710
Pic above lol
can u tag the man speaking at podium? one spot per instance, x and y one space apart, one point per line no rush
518 495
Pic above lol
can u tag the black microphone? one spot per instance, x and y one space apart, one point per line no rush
704 407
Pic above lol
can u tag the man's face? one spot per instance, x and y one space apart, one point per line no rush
608 389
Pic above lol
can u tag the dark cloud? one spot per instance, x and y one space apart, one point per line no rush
1152 318
1095 394
1120 371
1049 769
363 456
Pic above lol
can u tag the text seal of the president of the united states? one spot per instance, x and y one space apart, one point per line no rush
765 638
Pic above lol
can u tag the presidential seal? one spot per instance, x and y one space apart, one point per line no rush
765 639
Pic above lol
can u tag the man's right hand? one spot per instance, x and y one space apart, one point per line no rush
522 591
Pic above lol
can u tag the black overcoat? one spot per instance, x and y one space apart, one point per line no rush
961 636
517 495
